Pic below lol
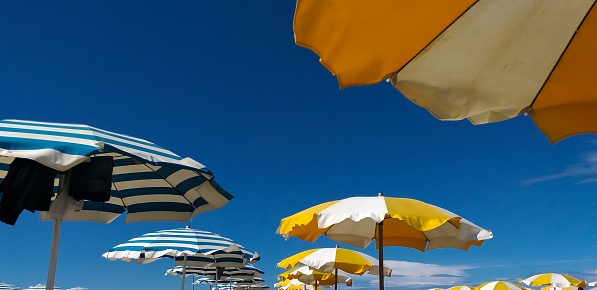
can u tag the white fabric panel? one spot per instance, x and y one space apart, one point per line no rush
491 63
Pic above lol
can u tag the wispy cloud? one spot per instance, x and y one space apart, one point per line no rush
416 275
585 171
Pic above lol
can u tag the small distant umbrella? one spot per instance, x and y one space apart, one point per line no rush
295 284
150 183
499 285
210 248
6 286
248 271
554 279
460 287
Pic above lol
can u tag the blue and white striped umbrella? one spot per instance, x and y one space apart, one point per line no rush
149 182
212 249
247 272
209 249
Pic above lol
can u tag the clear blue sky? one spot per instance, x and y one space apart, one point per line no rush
224 83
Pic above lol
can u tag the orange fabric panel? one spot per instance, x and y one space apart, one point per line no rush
567 104
363 41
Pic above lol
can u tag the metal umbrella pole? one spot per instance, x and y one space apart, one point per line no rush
62 189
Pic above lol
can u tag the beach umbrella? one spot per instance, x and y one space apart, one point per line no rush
460 287
331 259
499 285
147 181
553 279
468 59
390 221
295 284
312 277
208 248
247 272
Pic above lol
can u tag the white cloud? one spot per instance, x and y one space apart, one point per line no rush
585 171
415 275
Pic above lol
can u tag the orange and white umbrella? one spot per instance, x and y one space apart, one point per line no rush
313 277
390 221
485 60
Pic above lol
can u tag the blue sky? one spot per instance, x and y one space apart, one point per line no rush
224 83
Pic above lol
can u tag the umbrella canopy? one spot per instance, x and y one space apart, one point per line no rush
468 59
149 182
213 249
295 284
247 272
460 287
553 279
499 285
312 277
407 222
208 248
329 259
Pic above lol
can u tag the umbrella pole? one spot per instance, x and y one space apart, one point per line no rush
62 189
336 281
380 245
184 270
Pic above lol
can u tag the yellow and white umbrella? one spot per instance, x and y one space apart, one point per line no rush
554 279
295 284
331 259
312 277
482 60
390 221
461 287
499 285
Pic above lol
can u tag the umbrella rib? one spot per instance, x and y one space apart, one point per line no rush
174 187
562 55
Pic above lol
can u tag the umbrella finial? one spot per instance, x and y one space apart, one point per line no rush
337 246
380 194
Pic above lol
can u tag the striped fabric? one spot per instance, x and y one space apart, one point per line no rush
6 286
484 60
211 249
149 182
247 272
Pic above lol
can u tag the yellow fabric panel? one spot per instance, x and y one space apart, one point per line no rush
294 259
363 41
567 103
304 224
398 233
417 214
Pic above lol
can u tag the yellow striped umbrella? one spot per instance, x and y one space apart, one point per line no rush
499 285
468 58
294 284
554 279
313 277
461 287
331 259
390 221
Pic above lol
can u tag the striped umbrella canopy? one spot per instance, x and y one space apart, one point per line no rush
465 59
553 279
247 272
312 277
330 259
499 285
149 182
295 284
460 287
208 249
6 286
